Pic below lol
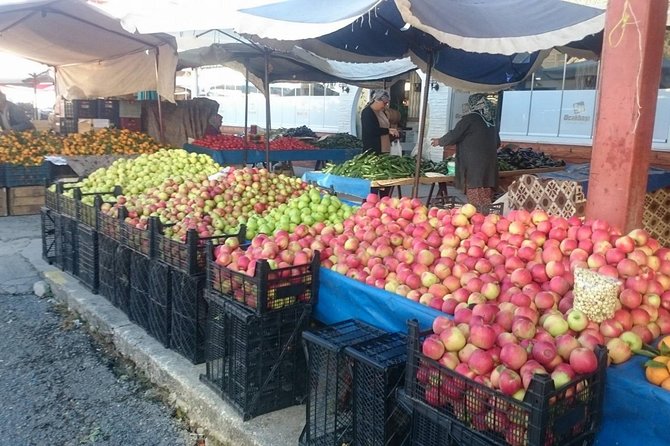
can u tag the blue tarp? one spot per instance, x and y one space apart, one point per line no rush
657 179
226 157
341 298
357 187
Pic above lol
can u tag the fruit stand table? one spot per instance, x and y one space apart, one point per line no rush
360 187
657 178
634 411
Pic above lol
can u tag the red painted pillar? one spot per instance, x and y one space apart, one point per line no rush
629 79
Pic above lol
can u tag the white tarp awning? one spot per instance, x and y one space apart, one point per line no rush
93 55
602 4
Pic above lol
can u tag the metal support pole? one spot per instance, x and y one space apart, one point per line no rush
246 107
266 84
158 98
422 125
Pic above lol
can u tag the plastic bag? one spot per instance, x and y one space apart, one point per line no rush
595 295
396 148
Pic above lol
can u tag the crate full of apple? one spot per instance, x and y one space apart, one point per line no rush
525 393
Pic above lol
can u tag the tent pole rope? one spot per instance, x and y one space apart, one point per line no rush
422 124
158 98
246 107
267 107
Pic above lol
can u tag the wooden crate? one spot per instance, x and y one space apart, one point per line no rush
4 208
25 200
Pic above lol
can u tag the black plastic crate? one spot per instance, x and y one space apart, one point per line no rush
330 382
138 304
109 109
110 224
190 256
482 415
107 261
66 243
85 108
48 225
68 125
379 370
256 362
268 290
429 427
89 203
139 240
189 316
88 258
68 109
16 175
121 293
160 302
50 197
3 177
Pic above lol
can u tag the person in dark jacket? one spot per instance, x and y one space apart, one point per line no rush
12 117
375 124
477 141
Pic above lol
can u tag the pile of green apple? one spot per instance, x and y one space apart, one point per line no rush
309 208
137 175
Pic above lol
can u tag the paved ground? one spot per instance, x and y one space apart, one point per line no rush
59 386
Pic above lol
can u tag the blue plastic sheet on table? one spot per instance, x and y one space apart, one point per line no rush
335 155
225 157
341 298
635 411
657 179
357 187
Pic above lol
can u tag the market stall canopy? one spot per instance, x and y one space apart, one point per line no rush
381 35
296 64
93 55
152 16
485 26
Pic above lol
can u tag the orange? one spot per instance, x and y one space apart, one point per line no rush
656 375
665 340
666 384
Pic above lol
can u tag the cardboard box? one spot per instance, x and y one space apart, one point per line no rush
86 125
25 200
4 208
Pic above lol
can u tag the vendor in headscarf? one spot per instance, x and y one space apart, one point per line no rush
375 124
214 125
477 141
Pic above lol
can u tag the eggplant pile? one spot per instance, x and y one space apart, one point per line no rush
298 132
519 159
339 141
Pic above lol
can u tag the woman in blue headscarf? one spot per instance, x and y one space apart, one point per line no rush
477 141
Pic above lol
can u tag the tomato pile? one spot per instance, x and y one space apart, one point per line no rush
230 142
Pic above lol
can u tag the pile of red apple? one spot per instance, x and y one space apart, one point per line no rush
281 250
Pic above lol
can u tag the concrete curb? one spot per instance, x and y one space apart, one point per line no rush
171 371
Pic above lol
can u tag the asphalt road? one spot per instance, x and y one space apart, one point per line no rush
58 384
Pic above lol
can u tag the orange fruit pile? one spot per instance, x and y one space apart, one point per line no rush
657 370
29 148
